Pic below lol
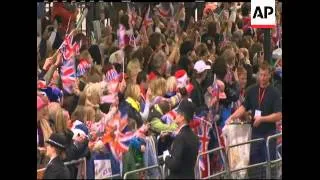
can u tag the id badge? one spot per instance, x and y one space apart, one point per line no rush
257 113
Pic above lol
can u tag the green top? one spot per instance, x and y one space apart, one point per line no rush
157 125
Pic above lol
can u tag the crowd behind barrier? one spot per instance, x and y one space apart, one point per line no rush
270 169
118 83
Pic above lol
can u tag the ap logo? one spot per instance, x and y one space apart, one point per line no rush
263 13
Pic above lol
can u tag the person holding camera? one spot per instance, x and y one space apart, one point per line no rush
197 94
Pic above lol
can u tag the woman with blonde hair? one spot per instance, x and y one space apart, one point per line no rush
244 55
171 87
93 91
43 127
132 96
44 130
133 69
53 109
158 89
60 121
72 152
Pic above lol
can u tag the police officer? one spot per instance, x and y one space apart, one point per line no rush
184 150
55 150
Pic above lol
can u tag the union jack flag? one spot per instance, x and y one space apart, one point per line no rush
68 74
132 14
203 134
83 67
147 19
112 75
68 71
166 13
117 139
68 49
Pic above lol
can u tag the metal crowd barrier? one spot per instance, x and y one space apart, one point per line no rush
256 171
116 176
222 174
269 169
142 170
273 170
74 161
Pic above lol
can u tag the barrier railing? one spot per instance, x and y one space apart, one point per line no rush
269 169
273 170
254 170
142 170
74 162
116 176
222 174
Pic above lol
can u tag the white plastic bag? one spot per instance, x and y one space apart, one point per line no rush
238 156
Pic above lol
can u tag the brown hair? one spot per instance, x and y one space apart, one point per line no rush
147 52
202 50
265 66
133 67
229 56
82 99
212 28
228 45
61 153
164 106
155 40
157 61
246 42
256 47
241 71
78 114
138 54
128 50
95 75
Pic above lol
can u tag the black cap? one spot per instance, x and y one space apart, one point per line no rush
187 108
57 140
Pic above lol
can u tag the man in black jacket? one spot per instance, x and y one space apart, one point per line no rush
197 94
184 149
